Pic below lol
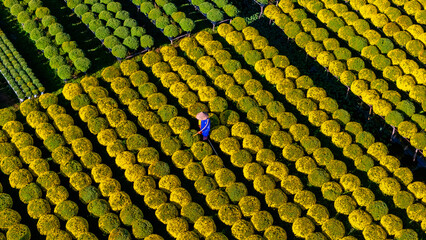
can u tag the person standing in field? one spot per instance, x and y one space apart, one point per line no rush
204 123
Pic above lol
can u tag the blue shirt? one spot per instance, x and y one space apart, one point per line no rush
205 127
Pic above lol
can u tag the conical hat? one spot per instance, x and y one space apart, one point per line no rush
202 116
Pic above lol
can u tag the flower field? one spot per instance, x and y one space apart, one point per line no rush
114 152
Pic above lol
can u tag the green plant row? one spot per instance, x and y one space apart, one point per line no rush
358 34
316 97
212 13
81 182
113 26
372 91
167 18
225 201
293 152
33 181
16 71
227 7
151 177
12 83
49 37
252 171
394 24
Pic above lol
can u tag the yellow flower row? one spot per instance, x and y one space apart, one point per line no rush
372 91
191 212
362 137
213 165
275 171
46 181
150 176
